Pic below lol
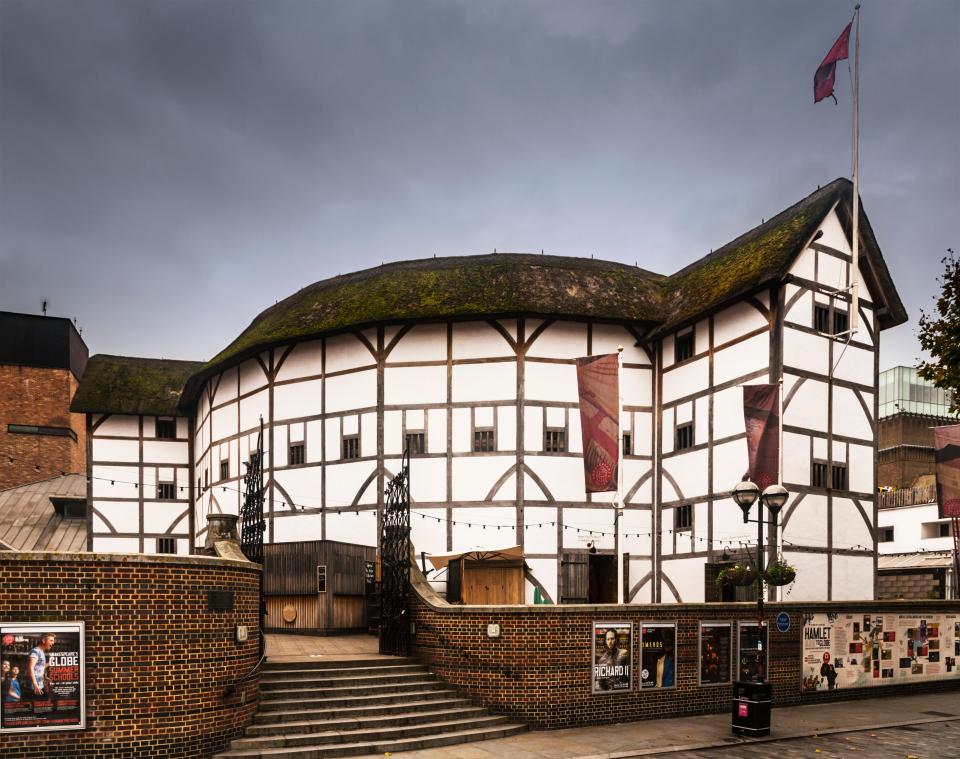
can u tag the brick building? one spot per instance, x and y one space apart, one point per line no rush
41 362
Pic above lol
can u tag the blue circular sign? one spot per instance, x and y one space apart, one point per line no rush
783 621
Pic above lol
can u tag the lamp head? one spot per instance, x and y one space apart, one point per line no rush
775 497
745 495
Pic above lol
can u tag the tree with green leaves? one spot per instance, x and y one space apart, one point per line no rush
940 333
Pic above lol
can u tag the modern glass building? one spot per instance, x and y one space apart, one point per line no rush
903 391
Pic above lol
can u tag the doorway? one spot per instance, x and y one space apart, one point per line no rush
602 588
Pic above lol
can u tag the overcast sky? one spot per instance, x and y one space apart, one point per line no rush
169 169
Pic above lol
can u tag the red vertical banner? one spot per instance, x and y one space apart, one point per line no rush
598 384
761 414
946 445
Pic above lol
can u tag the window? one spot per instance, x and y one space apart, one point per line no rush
886 535
555 441
627 443
351 447
296 456
166 429
683 517
414 443
225 469
33 429
483 440
944 529
818 474
206 478
841 322
69 508
166 491
821 318
166 545
931 530
683 347
840 477
321 579
684 436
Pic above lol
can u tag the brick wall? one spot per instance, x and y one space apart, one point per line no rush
539 669
39 397
157 661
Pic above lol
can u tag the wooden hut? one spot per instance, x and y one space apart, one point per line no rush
317 586
491 577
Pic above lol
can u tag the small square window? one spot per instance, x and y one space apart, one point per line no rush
225 469
166 491
297 454
944 529
841 322
627 443
684 436
821 318
321 579
166 429
206 478
683 345
840 477
683 517
351 447
886 535
555 441
818 474
166 545
414 444
483 441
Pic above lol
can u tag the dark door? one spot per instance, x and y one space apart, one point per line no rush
574 577
603 579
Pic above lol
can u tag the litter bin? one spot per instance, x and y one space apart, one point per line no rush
750 714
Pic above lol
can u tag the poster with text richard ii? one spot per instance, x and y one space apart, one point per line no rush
867 650
612 651
43 677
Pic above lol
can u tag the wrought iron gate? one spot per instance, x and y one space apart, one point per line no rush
395 565
252 523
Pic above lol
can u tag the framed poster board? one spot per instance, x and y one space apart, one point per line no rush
43 682
752 651
716 648
612 652
658 660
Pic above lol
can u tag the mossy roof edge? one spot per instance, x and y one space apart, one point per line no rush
132 385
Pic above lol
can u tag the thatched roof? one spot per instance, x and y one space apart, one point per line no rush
128 385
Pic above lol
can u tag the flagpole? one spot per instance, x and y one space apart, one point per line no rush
855 258
619 504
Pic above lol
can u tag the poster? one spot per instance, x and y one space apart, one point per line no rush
658 644
752 653
43 684
866 650
715 639
612 650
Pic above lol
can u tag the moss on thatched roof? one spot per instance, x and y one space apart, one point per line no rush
129 385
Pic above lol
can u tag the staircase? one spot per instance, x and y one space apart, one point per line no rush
360 706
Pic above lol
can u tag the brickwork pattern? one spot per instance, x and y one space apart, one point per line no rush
911 584
40 397
158 662
539 669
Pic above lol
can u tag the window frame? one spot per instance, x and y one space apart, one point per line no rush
683 342
484 433
421 448
683 525
681 429
166 541
165 420
626 447
555 434
321 578
224 475
350 444
166 487
301 447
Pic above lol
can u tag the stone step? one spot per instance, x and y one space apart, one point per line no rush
378 747
320 707
352 733
361 714
332 673
393 661
317 681
384 689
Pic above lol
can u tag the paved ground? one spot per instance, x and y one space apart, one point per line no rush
921 726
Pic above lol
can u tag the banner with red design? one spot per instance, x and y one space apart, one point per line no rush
946 444
598 384
761 414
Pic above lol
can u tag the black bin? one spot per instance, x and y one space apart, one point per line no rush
750 713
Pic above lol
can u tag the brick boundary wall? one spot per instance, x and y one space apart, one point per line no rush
158 662
538 671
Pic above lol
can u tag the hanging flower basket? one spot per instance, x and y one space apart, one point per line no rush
780 573
747 576
738 574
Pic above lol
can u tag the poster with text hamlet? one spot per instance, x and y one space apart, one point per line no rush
43 682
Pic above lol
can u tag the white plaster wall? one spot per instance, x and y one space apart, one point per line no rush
854 365
428 530
347 352
251 409
296 400
480 340
804 265
116 450
474 477
166 451
805 351
545 570
251 378
495 381
689 470
540 530
849 527
122 516
477 528
728 412
808 523
907 523
687 575
808 406
411 385
607 337
121 425
736 321
563 476
687 378
741 358
428 479
852 578
351 391
550 382
349 527
811 582
116 545
561 340
860 470
424 342
300 527
303 360
796 458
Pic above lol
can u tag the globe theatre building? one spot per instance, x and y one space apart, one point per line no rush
470 362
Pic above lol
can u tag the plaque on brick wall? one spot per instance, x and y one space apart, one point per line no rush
43 684
612 654
219 600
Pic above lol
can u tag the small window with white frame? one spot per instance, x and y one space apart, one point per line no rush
483 440
351 447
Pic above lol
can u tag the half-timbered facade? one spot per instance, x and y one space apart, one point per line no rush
470 363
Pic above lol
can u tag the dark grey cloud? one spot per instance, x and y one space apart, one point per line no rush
168 169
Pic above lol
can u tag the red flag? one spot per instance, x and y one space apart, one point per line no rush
598 384
946 452
761 414
823 79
